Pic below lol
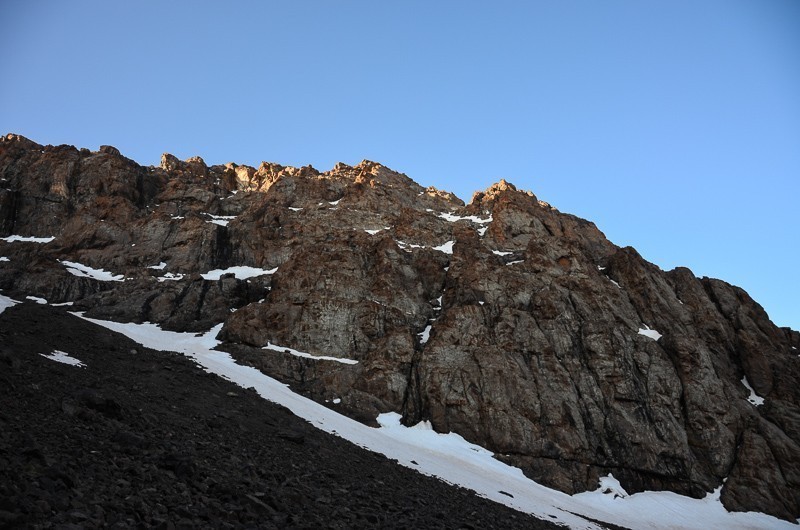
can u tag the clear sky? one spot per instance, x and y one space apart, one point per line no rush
673 125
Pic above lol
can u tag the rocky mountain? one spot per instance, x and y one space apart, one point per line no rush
520 327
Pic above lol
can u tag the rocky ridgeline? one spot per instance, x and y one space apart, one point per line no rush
519 327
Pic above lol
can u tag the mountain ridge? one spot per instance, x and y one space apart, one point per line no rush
519 327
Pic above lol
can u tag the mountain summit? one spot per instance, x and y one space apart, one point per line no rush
519 327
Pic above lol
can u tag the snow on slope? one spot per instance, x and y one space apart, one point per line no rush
36 299
452 459
221 220
650 333
242 272
27 239
84 271
754 398
307 355
63 357
6 302
447 248
426 334
170 277
453 218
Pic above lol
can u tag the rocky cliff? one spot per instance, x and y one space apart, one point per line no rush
519 327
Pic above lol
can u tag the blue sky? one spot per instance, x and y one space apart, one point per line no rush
675 126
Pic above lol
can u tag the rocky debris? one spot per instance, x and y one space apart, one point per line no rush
518 326
151 440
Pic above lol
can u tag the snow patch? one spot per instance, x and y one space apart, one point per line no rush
405 246
221 220
36 299
306 355
425 334
6 302
474 218
651 333
28 239
334 203
482 231
170 277
447 248
373 232
63 357
158 267
3 258
63 304
241 272
753 398
664 509
501 252
83 271
514 262
336 401
292 208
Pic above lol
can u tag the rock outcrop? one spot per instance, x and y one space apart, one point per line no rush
519 327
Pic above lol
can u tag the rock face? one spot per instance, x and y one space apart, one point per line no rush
519 327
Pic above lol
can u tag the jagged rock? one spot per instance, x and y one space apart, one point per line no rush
192 167
111 150
170 162
519 327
